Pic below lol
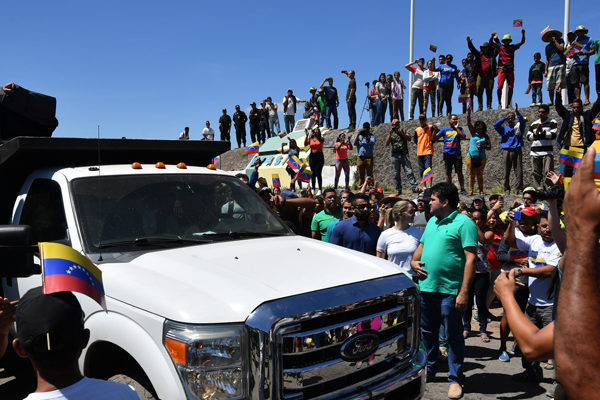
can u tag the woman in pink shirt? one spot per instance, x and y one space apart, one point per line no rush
341 146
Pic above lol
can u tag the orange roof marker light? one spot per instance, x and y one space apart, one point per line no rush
211 166
181 165
160 165
136 165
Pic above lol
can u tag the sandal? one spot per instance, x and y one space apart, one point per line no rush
549 365
484 337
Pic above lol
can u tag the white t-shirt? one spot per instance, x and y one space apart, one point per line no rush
208 133
540 253
184 136
272 112
400 245
397 89
290 105
418 78
89 389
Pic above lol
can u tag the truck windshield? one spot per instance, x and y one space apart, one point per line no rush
132 214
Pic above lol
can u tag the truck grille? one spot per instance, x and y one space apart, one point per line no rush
328 352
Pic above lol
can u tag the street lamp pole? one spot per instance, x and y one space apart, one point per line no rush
411 48
566 29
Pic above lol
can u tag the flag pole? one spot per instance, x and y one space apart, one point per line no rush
411 49
566 29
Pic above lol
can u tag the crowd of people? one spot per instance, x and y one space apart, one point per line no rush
566 65
463 255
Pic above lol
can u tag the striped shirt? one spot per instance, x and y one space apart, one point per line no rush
506 55
542 143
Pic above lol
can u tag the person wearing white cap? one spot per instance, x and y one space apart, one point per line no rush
581 71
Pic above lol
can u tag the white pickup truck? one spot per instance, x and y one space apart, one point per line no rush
209 295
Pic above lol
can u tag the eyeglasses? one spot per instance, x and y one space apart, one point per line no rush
366 205
330 197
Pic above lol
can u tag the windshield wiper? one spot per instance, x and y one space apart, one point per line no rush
152 240
237 235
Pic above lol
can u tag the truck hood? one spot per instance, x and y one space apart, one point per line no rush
225 282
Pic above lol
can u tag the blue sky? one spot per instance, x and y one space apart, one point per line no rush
146 69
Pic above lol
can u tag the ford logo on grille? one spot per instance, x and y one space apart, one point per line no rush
360 346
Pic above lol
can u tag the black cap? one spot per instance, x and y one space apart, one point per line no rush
427 195
48 322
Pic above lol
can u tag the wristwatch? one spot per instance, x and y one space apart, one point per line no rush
519 272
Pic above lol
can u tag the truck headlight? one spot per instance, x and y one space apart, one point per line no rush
208 358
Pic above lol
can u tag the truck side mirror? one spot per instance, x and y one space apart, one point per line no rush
16 251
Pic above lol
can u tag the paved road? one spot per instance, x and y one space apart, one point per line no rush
486 376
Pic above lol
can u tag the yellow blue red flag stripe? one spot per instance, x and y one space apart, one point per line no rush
253 148
276 181
427 174
517 23
64 269
433 48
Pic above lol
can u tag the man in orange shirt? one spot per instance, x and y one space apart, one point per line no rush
425 135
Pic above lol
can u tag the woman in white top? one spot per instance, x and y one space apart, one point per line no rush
399 242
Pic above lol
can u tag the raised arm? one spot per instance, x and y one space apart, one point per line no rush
522 42
409 66
536 344
492 41
472 48
306 138
576 359
469 124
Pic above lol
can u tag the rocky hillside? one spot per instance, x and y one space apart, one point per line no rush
494 171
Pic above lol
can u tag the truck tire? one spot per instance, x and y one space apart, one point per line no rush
142 391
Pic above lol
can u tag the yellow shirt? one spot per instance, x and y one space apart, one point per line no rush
575 138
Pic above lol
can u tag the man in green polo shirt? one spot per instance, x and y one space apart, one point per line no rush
445 265
331 213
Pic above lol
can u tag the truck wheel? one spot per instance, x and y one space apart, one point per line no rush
142 391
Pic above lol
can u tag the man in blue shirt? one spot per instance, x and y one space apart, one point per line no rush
452 151
511 143
357 233
580 72
556 62
448 73
364 144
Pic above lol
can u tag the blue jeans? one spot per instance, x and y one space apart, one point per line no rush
380 114
435 308
373 112
290 121
536 92
331 109
274 122
480 287
424 163
402 160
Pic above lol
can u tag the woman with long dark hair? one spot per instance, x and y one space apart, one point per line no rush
476 158
316 160
382 99
341 147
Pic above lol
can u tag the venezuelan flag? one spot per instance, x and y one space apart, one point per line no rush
464 98
295 163
578 46
597 169
433 48
282 134
66 270
596 125
516 254
546 29
253 148
276 181
569 51
304 175
427 174
517 23
216 160
571 157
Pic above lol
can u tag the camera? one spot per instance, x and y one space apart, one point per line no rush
553 192
367 84
517 215
344 72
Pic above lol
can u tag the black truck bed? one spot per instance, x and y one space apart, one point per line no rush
22 155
